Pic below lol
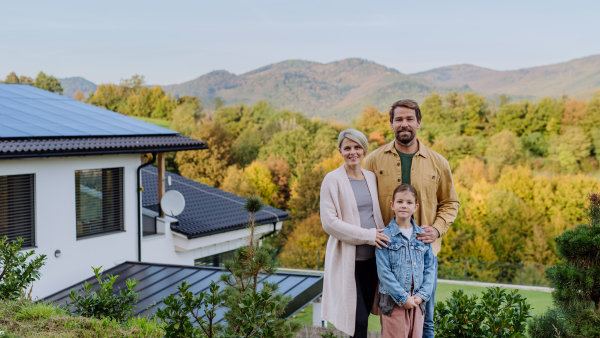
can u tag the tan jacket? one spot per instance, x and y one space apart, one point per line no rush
340 219
430 175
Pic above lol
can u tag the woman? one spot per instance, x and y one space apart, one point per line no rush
351 216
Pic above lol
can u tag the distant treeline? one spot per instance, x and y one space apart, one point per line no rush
42 81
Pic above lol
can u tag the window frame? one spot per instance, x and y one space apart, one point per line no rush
119 193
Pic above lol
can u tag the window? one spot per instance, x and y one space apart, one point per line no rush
214 260
17 208
149 225
98 201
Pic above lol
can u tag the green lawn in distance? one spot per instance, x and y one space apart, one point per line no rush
158 122
540 302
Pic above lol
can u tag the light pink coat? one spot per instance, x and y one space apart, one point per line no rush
340 219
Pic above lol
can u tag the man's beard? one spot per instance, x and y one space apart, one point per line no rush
403 138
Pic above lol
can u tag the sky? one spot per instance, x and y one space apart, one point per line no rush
175 41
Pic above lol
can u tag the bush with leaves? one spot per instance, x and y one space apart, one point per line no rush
17 270
178 310
242 282
497 314
576 282
104 303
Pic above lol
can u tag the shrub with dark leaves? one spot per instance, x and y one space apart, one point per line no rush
104 303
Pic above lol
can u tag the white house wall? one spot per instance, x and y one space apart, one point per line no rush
55 218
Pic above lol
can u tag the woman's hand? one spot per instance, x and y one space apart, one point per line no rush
410 303
418 300
380 239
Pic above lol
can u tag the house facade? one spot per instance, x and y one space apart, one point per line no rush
73 186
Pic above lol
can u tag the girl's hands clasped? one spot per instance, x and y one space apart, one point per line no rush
380 239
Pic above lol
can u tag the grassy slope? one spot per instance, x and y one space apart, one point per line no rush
27 319
540 302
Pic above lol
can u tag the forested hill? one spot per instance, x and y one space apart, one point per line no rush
340 89
579 78
71 84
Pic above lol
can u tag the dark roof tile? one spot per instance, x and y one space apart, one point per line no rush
43 147
207 209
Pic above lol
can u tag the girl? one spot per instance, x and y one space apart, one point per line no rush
405 269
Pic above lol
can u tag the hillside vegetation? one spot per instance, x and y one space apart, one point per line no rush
579 78
521 169
338 89
343 88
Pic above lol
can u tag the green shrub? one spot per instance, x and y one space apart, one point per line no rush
496 314
178 310
104 303
257 315
328 334
548 325
17 269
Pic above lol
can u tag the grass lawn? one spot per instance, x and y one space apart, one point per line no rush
540 302
158 122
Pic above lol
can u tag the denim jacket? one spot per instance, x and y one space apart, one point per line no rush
403 262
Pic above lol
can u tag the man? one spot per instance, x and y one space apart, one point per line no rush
407 160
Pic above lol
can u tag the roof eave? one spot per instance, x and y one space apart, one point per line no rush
10 156
210 233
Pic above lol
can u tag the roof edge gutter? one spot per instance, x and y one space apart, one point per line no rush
139 202
99 152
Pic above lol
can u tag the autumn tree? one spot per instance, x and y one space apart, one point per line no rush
255 179
208 166
304 244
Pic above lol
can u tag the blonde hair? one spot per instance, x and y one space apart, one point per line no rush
355 136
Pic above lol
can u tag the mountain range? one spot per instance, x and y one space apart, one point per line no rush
342 89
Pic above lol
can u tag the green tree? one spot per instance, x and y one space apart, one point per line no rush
241 285
504 148
570 148
576 282
48 82
186 117
294 146
246 146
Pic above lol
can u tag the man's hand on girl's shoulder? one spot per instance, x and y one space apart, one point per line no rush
430 235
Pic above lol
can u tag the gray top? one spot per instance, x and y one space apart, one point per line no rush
365 211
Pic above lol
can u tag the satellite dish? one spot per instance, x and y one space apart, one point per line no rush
172 203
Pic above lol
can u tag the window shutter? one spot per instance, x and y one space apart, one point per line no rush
17 208
98 201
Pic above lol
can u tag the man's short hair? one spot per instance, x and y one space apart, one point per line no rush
408 103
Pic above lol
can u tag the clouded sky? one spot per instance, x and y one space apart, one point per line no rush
175 41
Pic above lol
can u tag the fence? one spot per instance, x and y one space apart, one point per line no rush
520 273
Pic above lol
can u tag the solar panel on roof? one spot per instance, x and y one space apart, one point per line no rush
26 111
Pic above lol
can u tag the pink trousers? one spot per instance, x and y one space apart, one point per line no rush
403 323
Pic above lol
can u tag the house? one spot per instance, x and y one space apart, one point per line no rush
71 181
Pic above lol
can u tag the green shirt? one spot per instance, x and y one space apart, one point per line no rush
406 162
